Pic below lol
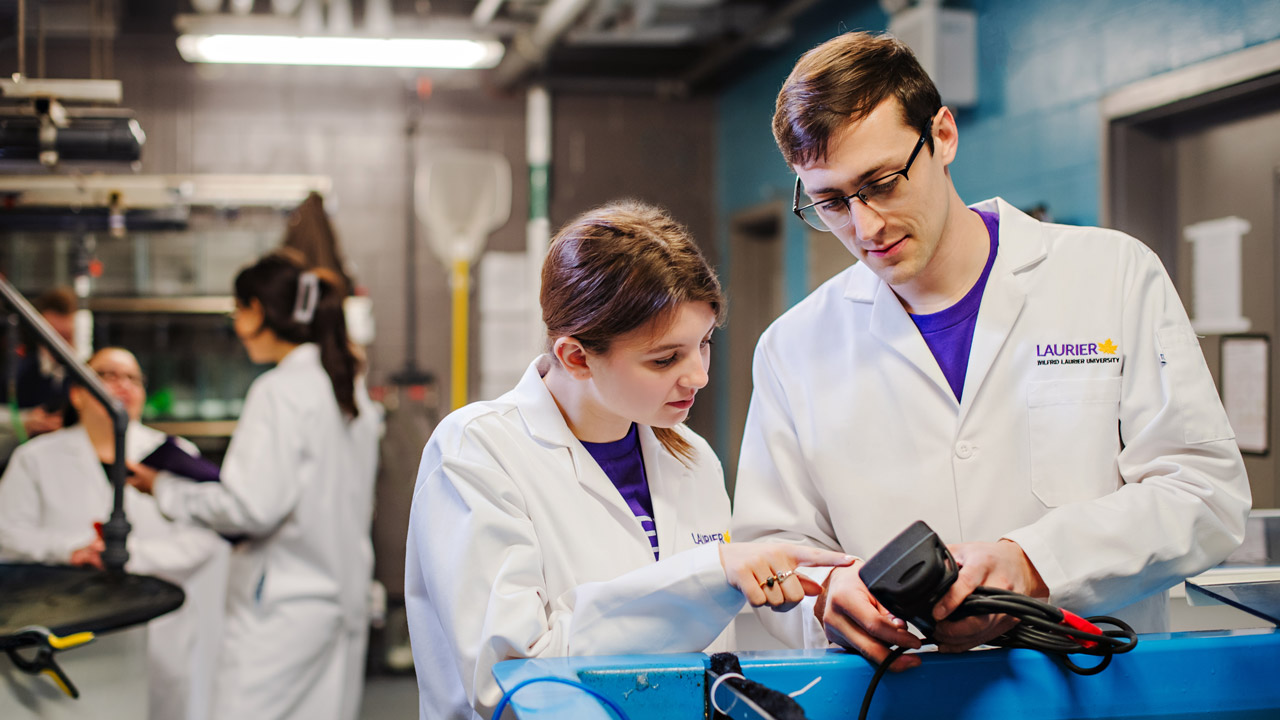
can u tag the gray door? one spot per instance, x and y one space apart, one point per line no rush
1227 166
1207 154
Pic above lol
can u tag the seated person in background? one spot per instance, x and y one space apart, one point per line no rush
55 489
576 514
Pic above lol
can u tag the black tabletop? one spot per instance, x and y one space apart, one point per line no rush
68 600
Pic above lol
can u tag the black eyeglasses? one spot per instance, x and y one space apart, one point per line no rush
883 194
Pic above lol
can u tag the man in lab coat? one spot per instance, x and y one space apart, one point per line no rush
1034 392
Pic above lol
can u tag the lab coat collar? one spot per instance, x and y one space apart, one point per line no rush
538 408
667 476
546 424
665 473
1022 242
304 354
1022 245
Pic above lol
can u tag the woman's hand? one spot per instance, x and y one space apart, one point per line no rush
765 571
142 477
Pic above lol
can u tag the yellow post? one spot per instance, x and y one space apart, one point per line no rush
461 283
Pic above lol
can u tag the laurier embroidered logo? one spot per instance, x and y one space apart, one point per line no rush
1077 353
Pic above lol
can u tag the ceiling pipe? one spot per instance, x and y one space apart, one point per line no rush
22 38
485 11
538 227
529 48
714 61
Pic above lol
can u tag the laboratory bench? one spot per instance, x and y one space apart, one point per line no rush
1185 676
1221 663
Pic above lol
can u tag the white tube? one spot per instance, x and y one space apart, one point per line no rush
538 228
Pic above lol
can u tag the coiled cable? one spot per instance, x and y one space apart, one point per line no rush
1041 626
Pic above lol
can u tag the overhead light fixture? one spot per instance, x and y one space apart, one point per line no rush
340 51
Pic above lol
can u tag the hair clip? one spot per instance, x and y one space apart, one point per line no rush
304 306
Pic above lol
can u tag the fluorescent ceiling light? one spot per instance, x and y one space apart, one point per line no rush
349 51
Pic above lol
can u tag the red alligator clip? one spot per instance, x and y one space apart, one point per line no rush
1073 620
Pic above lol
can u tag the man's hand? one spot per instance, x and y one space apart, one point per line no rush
1001 565
854 620
37 421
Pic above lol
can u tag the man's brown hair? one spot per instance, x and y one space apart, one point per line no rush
843 80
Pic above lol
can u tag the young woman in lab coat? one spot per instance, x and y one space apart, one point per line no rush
56 488
297 482
576 514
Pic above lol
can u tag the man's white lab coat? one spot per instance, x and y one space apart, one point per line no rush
1089 432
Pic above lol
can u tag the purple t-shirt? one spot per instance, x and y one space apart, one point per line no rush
949 333
622 462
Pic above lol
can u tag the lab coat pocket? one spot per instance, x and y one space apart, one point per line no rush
247 576
1075 438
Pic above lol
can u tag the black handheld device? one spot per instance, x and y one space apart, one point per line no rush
911 574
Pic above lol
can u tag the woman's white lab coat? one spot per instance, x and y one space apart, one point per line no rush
1089 431
298 481
52 493
520 546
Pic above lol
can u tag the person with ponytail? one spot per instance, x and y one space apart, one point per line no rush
297 484
576 514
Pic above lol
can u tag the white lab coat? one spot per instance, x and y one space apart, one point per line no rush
1118 478
520 546
52 493
298 481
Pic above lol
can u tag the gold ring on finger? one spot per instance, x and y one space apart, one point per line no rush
770 581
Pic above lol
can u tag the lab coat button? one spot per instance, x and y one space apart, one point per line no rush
964 450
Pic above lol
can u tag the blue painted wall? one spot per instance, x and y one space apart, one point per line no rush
1034 135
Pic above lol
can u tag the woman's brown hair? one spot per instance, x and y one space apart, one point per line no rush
619 266
276 281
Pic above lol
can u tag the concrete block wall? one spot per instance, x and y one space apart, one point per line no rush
1044 65
349 124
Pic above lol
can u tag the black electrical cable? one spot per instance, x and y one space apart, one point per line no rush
894 654
1040 627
